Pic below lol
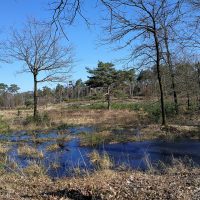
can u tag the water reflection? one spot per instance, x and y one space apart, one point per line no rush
63 160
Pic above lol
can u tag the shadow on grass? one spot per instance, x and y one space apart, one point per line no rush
72 194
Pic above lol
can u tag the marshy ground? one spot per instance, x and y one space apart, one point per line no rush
84 152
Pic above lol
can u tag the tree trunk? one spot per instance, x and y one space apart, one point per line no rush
108 98
60 96
188 101
198 72
159 76
169 62
131 90
35 96
78 92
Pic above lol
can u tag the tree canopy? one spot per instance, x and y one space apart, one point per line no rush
102 76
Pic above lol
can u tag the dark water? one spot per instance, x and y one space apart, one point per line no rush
71 155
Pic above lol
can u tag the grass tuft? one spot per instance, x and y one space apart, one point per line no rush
29 152
101 162
3 149
53 147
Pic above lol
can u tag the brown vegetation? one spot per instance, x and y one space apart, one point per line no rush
178 182
28 151
59 115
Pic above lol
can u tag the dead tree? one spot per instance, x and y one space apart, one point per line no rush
41 53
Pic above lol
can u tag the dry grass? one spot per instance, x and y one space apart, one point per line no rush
59 115
53 147
55 165
3 149
100 161
177 183
29 151
170 132
109 137
34 169
95 117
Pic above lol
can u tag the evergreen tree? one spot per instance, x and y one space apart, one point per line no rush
105 76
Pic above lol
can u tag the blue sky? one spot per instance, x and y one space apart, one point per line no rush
14 13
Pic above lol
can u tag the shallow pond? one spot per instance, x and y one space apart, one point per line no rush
69 156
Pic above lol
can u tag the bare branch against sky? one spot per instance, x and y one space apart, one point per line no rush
41 53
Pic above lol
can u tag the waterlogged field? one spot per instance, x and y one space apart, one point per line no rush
81 149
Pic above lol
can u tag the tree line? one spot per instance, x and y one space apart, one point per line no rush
105 83
102 77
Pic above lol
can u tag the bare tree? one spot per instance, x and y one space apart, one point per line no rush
171 18
148 24
41 53
139 22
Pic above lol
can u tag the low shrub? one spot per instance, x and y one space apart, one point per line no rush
29 103
154 110
98 106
